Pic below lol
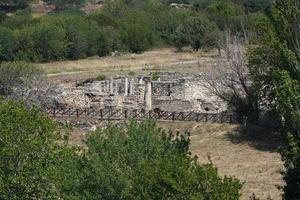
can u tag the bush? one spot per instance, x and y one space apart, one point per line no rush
292 177
198 32
17 78
49 43
131 73
140 161
28 154
15 3
6 44
136 37
90 80
18 20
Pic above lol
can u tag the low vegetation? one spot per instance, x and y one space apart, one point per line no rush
138 161
90 80
131 26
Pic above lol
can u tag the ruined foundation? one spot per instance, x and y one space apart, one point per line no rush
169 92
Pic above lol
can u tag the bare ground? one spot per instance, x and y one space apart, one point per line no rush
155 60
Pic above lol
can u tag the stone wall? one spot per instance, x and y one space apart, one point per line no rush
173 105
173 92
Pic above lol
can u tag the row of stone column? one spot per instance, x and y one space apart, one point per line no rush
128 86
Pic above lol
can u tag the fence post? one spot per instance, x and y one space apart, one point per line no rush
77 112
206 117
54 112
101 114
126 114
244 121
173 116
197 117
149 114
221 118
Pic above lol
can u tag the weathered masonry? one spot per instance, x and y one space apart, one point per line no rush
169 91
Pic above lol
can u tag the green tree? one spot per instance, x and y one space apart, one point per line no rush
181 178
275 69
198 32
15 3
24 45
97 41
28 153
136 37
49 42
222 12
6 44
257 5
77 42
286 20
19 19
140 161
200 5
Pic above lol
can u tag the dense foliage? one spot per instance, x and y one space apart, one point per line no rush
29 153
138 161
133 26
275 69
15 3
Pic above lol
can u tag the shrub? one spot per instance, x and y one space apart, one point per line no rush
131 73
6 44
16 78
28 153
100 77
90 80
198 32
49 43
141 161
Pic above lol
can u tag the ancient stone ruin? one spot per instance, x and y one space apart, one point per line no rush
169 91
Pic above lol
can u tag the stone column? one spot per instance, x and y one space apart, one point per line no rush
111 86
126 86
107 86
100 88
116 88
131 87
141 80
148 94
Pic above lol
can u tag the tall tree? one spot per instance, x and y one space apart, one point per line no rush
29 153
141 161
275 70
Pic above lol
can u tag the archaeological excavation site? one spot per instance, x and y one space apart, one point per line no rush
164 95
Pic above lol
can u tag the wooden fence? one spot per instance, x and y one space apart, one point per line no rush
118 114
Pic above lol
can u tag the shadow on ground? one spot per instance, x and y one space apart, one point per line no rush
257 137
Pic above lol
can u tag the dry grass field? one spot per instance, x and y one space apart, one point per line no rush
250 156
155 60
